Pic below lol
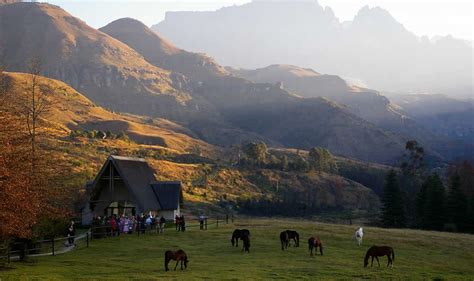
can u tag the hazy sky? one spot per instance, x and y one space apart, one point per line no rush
423 17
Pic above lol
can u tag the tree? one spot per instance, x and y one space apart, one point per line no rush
322 160
18 204
35 105
456 204
31 175
284 163
393 211
413 173
256 152
430 204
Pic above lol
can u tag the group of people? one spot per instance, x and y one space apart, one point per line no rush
115 225
180 223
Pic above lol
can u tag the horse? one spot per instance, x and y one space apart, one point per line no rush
314 243
246 241
295 236
238 234
358 235
178 256
376 251
286 236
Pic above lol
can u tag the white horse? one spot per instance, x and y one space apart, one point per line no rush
358 235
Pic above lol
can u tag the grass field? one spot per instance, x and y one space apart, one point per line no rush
418 255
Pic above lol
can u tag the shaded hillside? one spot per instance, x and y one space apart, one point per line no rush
365 103
373 47
161 52
106 70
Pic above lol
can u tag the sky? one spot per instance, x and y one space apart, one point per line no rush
423 17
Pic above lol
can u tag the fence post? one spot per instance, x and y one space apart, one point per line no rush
87 239
217 221
226 218
205 221
52 244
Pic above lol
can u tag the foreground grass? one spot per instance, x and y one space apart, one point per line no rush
418 255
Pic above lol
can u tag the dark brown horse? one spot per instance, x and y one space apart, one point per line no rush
314 243
238 234
246 241
376 251
178 256
286 236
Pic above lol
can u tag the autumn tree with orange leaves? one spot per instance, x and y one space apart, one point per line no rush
29 173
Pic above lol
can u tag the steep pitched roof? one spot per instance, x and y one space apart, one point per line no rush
168 193
137 176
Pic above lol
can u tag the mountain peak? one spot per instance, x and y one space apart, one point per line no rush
127 26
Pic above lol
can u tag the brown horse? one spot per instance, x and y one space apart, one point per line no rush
376 251
314 243
178 256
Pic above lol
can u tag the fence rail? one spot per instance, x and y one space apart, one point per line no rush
56 246
46 247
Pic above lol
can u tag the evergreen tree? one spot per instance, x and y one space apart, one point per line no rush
431 203
393 211
457 204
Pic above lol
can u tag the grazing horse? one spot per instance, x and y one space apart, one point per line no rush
238 234
295 236
286 236
246 241
314 243
178 256
358 235
376 251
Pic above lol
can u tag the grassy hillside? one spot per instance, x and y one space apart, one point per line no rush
76 128
419 255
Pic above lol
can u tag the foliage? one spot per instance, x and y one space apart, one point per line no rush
393 210
29 173
457 205
256 152
322 160
430 204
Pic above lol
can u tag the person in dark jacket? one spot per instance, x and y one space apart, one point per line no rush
71 232
182 223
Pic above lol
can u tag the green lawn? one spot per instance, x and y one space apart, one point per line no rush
418 255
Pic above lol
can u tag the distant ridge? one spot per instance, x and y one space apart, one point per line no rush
373 47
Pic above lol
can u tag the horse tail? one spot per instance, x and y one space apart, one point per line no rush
393 255
297 239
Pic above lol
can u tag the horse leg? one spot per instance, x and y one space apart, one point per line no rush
181 264
372 264
166 265
176 265
377 258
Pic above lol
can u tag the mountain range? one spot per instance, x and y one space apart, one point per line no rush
126 67
373 48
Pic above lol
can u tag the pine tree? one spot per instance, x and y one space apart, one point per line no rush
456 204
393 210
431 203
